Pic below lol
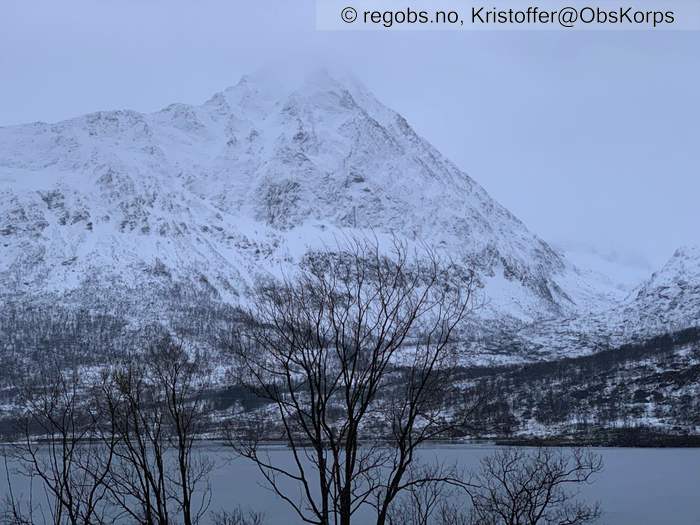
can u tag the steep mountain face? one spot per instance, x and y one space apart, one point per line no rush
121 207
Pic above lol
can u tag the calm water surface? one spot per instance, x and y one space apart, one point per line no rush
636 487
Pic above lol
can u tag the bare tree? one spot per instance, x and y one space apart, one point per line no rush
157 407
516 487
62 443
238 516
353 354
427 502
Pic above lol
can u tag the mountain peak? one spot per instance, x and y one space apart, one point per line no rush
292 78
280 83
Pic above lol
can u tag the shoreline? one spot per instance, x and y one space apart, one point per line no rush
658 441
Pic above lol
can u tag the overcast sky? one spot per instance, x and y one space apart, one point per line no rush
588 137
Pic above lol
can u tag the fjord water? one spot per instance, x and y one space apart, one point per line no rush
637 486
642 486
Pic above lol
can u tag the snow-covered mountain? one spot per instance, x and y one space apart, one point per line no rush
245 183
666 302
670 299
124 208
